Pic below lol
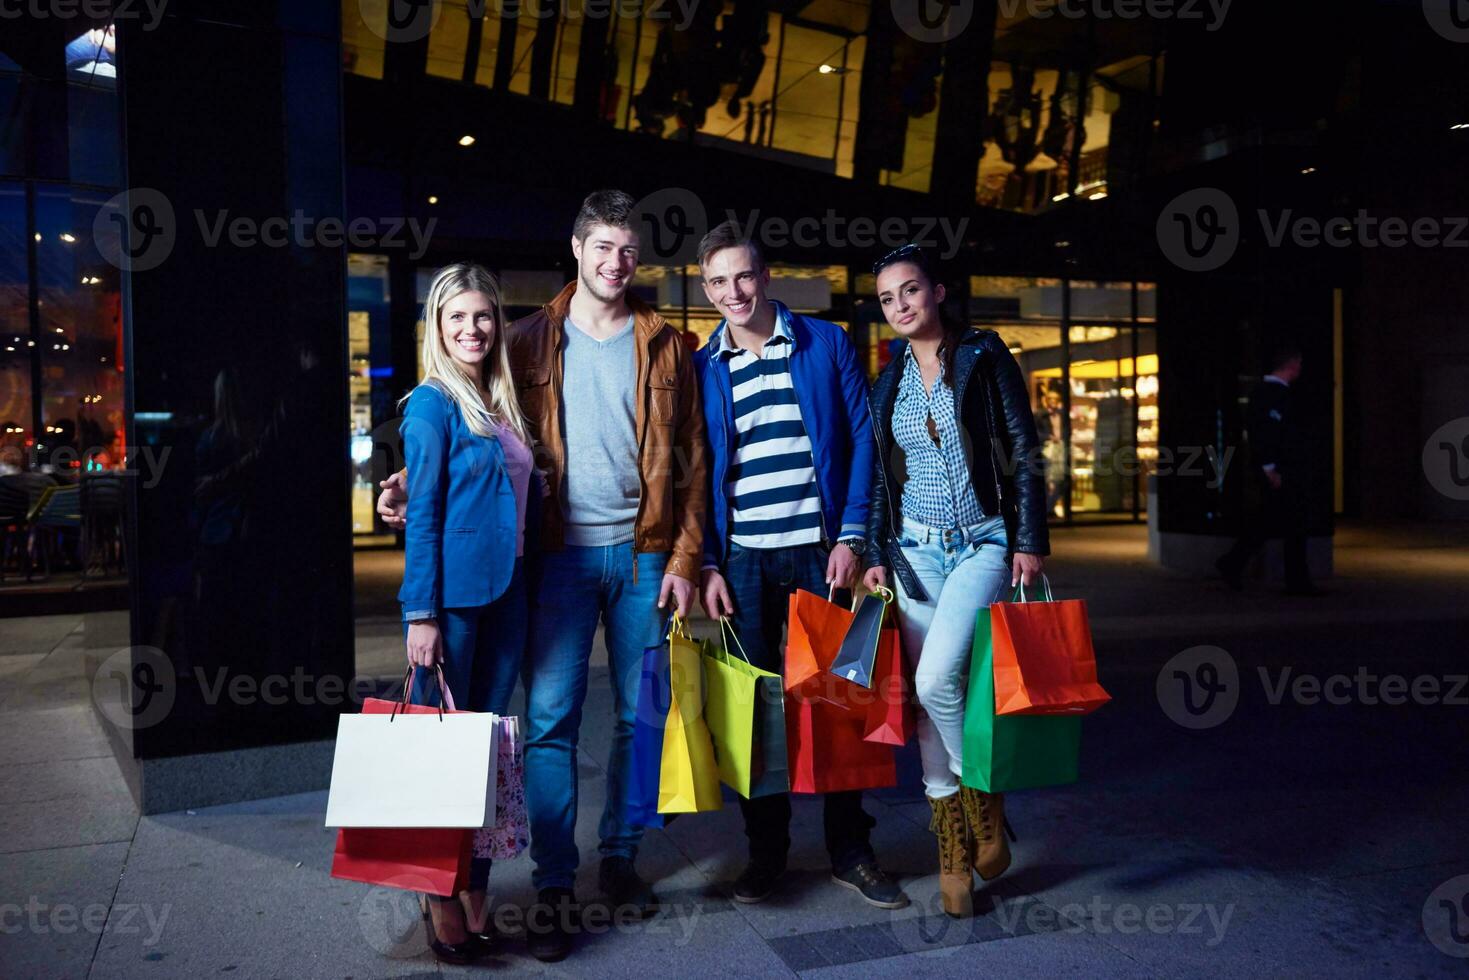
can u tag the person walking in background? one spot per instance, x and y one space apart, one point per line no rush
958 513
785 406
1278 479
612 403
464 586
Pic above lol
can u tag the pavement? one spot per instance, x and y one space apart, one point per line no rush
1277 789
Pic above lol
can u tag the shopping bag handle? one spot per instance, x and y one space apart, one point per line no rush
1020 590
446 696
677 626
728 632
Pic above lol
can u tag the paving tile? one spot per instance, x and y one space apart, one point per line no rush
57 903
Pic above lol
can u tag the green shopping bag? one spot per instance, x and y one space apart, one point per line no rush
745 710
1009 752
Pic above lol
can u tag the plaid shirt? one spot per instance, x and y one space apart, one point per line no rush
938 491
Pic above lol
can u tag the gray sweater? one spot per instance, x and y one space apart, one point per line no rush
598 416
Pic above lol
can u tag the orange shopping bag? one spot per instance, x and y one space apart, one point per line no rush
1043 656
890 716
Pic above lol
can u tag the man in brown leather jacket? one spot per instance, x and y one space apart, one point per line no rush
609 393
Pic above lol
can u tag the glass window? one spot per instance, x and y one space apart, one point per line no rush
16 413
80 342
364 26
448 41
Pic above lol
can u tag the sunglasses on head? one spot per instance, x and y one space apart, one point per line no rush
908 251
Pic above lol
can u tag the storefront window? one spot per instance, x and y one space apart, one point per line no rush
1092 374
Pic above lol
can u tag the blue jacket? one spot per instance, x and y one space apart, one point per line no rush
461 533
831 391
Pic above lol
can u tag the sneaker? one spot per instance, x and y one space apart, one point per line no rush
869 881
550 924
757 881
619 881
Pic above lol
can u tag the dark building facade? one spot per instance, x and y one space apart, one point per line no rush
218 229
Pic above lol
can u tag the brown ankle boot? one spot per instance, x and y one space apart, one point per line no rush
985 813
955 879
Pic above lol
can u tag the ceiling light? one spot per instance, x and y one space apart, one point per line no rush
1308 170
433 199
466 140
1097 196
68 237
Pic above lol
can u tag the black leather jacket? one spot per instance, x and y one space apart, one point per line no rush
1005 461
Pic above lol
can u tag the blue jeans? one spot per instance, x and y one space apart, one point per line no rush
963 571
761 581
483 646
580 587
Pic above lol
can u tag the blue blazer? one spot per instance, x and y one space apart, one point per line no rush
831 391
461 530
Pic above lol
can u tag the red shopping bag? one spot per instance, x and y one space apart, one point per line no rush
828 752
433 860
890 716
827 716
1043 656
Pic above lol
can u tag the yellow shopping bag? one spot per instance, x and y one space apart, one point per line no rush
688 776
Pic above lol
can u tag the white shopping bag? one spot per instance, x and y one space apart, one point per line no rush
414 770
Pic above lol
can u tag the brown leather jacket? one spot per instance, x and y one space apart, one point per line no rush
670 429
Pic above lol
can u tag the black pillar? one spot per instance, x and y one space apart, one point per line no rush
242 641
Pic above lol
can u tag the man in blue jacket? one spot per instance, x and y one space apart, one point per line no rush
790 438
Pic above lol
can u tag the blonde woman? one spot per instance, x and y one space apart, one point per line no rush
469 466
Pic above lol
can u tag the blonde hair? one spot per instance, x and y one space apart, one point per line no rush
440 368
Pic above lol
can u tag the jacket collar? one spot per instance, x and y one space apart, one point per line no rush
646 321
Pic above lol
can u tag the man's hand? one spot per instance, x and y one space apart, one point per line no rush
876 578
842 568
1026 570
714 595
425 646
392 503
682 591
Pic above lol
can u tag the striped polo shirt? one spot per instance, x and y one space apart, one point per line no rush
771 481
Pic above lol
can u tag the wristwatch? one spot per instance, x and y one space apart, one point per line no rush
856 545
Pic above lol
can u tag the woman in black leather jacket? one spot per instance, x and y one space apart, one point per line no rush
958 514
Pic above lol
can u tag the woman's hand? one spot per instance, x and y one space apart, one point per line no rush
1027 569
425 646
875 578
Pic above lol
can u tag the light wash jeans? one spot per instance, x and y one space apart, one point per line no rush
962 571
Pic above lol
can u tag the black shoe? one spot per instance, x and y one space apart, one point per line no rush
757 881
868 880
1232 576
457 954
619 881
550 924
